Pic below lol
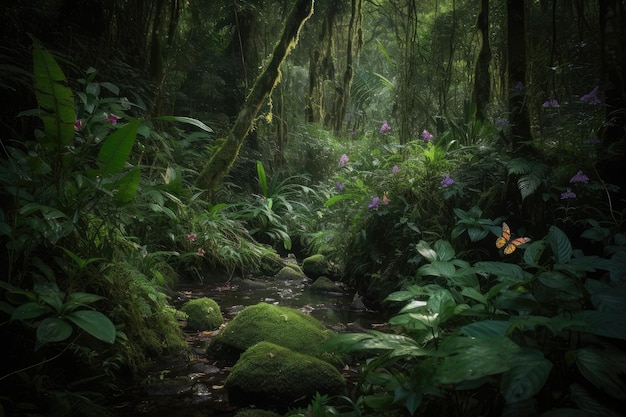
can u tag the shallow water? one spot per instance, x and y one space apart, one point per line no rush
200 391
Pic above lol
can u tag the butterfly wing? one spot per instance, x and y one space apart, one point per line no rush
506 236
512 245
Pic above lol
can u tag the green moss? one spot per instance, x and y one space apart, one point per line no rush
315 266
283 326
323 285
289 273
203 314
268 372
150 327
256 412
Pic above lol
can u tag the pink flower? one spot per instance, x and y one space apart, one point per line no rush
427 136
78 125
395 169
551 103
191 237
111 118
201 252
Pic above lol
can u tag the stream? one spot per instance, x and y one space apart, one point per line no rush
193 386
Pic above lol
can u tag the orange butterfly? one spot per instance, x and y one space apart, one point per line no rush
506 242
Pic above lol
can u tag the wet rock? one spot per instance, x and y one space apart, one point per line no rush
270 375
315 266
324 285
203 314
289 273
283 326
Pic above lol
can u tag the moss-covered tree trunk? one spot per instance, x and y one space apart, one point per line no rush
482 79
226 153
321 69
355 40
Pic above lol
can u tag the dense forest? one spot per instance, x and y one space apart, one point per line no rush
459 164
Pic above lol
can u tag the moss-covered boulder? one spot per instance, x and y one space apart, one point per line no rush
315 266
289 273
256 412
270 375
203 314
264 322
323 285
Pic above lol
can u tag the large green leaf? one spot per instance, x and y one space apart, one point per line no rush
116 149
53 329
604 323
126 187
444 249
560 244
603 370
502 270
54 96
188 120
475 357
95 323
29 311
527 377
486 328
610 300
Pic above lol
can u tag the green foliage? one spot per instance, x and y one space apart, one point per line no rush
59 312
519 328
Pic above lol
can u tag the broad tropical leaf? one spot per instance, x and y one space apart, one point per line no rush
95 323
53 96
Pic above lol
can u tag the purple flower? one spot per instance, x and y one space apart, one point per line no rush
427 136
579 178
591 97
447 181
343 160
191 237
519 85
353 133
78 125
340 186
112 118
385 128
395 169
592 140
501 122
374 204
568 194
551 103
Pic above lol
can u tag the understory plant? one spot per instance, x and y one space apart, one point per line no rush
537 333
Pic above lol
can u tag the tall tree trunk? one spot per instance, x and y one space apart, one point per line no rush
226 153
516 65
355 40
321 69
407 95
482 78
613 133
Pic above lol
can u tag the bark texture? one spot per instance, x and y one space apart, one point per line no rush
227 150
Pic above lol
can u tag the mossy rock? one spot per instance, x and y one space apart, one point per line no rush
264 322
288 273
256 412
323 285
270 375
203 314
316 266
